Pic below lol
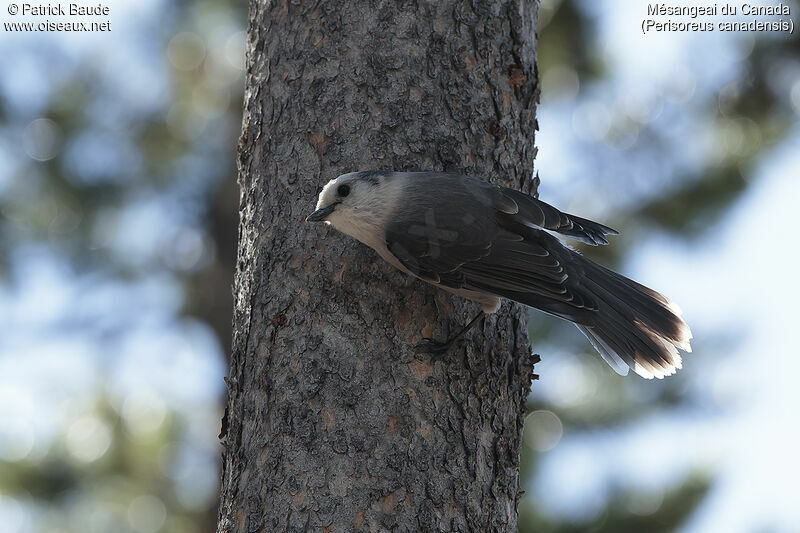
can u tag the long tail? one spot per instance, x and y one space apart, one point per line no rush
634 327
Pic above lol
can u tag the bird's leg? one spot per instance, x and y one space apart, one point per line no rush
534 189
440 348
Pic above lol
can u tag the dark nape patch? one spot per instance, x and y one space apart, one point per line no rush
372 177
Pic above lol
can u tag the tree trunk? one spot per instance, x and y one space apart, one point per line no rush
333 422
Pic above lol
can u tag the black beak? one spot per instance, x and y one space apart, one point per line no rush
321 214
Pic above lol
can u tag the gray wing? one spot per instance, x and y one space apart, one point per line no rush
521 208
483 238
532 211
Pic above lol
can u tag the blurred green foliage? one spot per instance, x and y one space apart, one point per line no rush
668 513
111 471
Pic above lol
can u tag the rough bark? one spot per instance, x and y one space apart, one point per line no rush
333 422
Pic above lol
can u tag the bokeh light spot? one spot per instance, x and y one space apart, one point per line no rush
186 51
795 97
146 514
41 139
543 430
88 439
644 502
235 49
591 121
143 413
560 83
13 514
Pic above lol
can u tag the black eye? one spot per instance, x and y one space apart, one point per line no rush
343 190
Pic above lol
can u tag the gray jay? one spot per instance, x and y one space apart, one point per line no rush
486 242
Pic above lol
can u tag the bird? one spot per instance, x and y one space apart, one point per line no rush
485 242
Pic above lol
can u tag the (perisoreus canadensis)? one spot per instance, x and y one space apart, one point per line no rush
486 242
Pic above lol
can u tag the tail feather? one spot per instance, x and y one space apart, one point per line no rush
634 325
608 353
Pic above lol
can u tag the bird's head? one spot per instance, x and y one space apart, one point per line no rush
357 199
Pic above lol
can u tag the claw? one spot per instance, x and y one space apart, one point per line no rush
439 348
432 346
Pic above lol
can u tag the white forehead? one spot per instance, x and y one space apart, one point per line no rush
335 181
328 193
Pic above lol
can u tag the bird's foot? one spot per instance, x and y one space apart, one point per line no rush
439 348
433 347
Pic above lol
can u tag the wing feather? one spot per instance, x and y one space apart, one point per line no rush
492 254
534 212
